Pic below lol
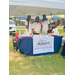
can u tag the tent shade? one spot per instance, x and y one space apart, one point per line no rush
35 7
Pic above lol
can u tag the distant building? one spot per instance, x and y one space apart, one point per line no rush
21 20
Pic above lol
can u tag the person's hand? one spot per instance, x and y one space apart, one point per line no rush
34 32
48 31
52 31
50 28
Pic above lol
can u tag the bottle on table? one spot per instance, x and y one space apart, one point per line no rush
25 32
19 32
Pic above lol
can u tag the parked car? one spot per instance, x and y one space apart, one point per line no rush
12 27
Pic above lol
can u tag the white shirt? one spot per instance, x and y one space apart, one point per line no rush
45 24
30 24
51 21
36 26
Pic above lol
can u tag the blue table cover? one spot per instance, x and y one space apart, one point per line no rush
25 45
63 50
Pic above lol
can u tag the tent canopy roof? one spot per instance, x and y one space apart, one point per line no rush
35 7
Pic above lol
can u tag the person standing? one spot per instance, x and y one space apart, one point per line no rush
46 25
28 23
36 26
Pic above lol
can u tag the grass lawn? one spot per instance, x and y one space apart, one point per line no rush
61 27
22 31
61 32
23 27
35 65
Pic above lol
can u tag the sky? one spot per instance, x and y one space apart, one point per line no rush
41 0
56 0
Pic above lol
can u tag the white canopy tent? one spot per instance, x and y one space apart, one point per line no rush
36 7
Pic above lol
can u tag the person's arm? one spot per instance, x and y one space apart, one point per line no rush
26 24
49 28
33 29
48 25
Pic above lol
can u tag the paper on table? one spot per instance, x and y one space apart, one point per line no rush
24 36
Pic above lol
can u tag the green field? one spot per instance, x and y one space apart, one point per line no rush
35 65
21 28
61 32
60 27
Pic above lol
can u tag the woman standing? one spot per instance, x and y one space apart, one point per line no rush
28 23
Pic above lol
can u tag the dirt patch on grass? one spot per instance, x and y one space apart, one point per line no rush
10 39
32 57
21 63
26 67
38 65
32 73
14 56
55 74
22 55
11 58
51 68
18 56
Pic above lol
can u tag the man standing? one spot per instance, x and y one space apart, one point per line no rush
36 26
46 25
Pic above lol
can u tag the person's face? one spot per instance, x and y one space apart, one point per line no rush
44 17
37 19
29 18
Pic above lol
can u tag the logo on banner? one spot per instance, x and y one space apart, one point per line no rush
43 42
